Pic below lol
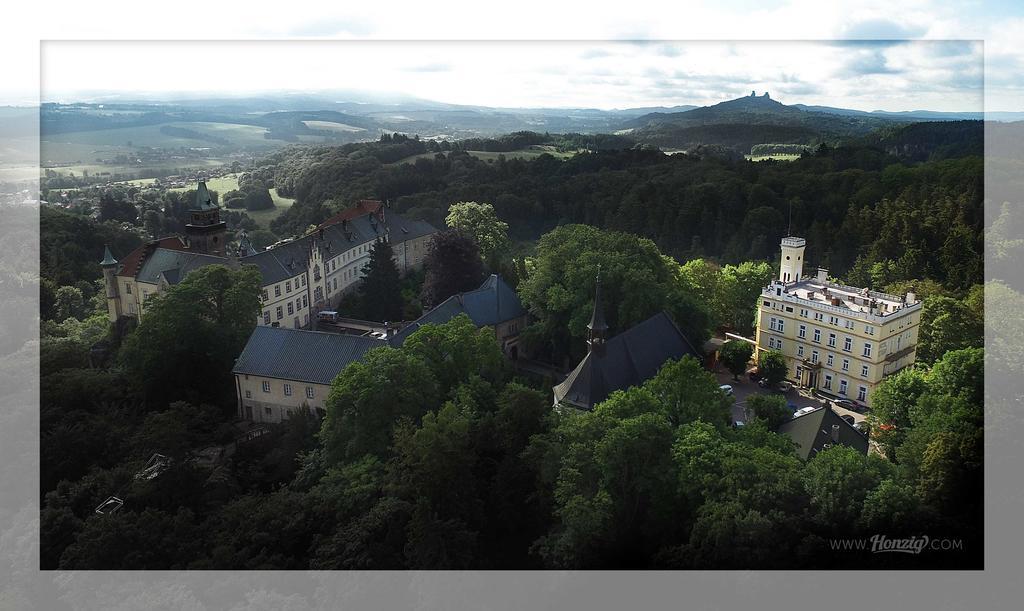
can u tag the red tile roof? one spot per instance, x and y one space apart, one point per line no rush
131 265
362 208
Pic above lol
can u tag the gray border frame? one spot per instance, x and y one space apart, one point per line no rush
23 586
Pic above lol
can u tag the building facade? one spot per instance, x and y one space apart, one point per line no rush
283 370
838 339
301 277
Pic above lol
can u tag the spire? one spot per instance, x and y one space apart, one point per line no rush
597 327
108 259
203 199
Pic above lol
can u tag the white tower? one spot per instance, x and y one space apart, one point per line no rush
792 262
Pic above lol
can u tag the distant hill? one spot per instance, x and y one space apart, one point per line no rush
750 120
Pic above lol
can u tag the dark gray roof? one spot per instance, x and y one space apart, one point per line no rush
303 356
108 259
291 258
813 431
630 358
493 303
203 199
173 264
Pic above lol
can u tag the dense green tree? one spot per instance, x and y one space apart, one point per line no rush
452 264
770 408
891 403
772 366
480 222
369 396
380 292
949 324
735 355
838 480
740 286
456 350
687 392
190 335
637 282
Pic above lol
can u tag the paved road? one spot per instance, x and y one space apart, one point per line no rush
743 388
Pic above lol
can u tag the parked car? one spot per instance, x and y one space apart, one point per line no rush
804 410
763 383
785 386
853 406
849 419
738 424
726 389
328 316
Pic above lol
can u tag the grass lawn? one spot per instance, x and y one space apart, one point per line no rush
263 217
776 156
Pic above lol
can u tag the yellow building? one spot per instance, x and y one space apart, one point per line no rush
838 339
301 277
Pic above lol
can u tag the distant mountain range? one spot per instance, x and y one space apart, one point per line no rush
348 116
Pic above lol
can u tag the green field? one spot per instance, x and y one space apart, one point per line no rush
220 184
229 182
332 126
775 156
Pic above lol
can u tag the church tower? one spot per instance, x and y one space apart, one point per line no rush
791 268
109 265
597 328
205 231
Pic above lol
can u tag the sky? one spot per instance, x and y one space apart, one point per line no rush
849 67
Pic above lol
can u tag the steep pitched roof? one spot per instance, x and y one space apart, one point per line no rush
630 358
303 356
173 264
493 303
203 199
813 431
133 262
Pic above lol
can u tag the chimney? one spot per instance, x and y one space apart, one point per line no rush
836 301
822 275
835 433
911 298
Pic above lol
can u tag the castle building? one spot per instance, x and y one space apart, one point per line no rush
628 359
300 277
837 339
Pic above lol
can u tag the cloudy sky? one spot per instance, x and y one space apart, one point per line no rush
963 52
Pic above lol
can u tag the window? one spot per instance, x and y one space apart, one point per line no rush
267 411
829 360
316 273
849 324
266 295
818 316
266 386
305 301
803 313
280 313
767 303
782 325
295 323
287 390
772 323
867 349
127 288
771 342
802 332
266 317
799 350
248 394
145 294
864 370
814 356
288 286
862 394
335 284
291 308
831 340
817 335
778 345
832 320
869 329
318 294
309 392
847 344
828 382
842 387
846 364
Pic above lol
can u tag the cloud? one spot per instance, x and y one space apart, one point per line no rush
882 29
331 27
430 67
865 62
594 53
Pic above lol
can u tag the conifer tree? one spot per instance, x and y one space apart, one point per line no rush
380 292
